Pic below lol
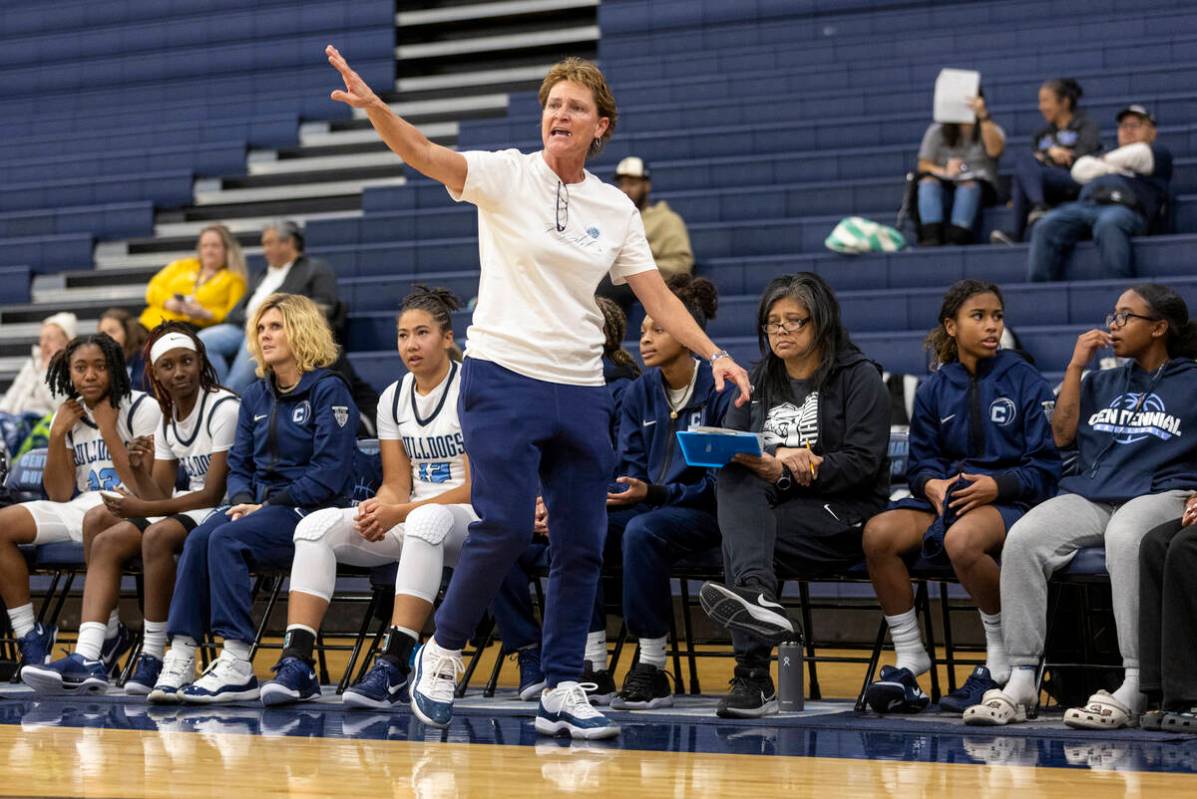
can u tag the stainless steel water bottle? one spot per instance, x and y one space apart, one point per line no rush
790 689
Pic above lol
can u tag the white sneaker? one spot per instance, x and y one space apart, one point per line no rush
178 671
434 684
566 708
228 679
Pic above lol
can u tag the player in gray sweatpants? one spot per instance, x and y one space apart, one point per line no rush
1046 539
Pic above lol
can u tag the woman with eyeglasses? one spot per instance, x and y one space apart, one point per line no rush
981 454
1135 431
824 413
534 409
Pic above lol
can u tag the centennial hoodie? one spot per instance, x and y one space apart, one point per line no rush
1136 433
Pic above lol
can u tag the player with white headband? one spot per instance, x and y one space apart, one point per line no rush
151 519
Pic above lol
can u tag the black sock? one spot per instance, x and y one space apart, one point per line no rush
299 643
397 647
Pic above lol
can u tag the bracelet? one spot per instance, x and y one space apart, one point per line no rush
717 355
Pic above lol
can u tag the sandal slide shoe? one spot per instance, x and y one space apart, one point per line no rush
1102 712
1152 720
1180 721
996 710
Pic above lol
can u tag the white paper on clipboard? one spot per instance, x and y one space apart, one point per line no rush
953 89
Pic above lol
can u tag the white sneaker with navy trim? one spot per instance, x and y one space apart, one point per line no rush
228 679
567 708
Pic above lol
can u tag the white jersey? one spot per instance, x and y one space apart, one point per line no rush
430 431
209 428
138 415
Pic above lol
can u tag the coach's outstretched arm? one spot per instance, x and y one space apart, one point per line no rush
406 140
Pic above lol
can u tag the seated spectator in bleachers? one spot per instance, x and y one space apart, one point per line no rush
30 397
665 509
419 517
152 521
200 290
1136 466
972 475
824 413
665 229
288 271
293 454
957 175
87 453
1042 174
123 328
1168 621
514 614
1123 193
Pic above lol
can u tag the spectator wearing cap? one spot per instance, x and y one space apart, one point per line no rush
663 227
29 398
1123 194
287 271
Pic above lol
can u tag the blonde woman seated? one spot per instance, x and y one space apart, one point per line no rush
200 290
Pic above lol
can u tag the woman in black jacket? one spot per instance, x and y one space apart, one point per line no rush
1042 173
824 413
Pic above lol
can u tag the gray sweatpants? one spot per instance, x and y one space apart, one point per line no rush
1047 538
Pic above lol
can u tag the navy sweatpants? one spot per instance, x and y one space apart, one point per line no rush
212 589
523 435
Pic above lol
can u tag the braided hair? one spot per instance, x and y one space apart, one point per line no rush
208 379
615 327
58 375
439 303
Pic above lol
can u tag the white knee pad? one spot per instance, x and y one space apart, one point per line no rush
316 526
429 523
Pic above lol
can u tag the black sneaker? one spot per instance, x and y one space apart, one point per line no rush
646 687
748 610
751 695
604 684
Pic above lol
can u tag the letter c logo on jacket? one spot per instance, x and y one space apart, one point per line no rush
302 412
1002 411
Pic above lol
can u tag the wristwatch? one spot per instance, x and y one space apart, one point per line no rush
717 355
786 481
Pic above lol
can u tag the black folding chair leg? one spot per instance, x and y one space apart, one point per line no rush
322 659
688 627
945 615
276 588
679 687
923 601
871 669
493 683
358 640
808 629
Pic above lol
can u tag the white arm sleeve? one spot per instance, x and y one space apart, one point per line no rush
1088 168
1136 158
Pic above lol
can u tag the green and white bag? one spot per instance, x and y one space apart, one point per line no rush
855 235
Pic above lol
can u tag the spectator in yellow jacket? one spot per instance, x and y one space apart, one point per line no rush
200 290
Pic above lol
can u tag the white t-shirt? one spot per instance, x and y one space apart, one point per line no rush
430 431
209 428
138 415
536 313
273 278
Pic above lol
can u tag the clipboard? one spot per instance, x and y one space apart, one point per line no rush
714 447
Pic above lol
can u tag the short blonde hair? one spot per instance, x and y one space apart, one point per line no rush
586 73
234 258
308 333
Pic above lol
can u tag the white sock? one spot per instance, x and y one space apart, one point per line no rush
1128 693
153 634
91 639
238 649
114 624
183 644
22 619
908 642
434 648
1021 687
652 651
995 649
596 650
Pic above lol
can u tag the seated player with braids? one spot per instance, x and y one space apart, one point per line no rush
292 454
199 420
87 454
419 517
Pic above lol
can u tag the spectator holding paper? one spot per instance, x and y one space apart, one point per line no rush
957 161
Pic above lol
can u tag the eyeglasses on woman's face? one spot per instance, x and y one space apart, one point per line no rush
791 325
1120 318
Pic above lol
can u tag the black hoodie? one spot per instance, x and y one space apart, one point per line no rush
852 434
